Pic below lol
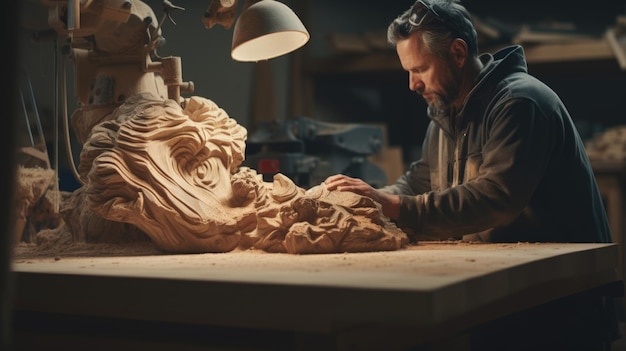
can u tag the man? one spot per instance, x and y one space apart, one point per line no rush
501 161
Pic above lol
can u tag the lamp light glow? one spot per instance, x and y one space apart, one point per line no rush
267 29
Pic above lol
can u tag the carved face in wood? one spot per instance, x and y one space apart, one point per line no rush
175 173
166 170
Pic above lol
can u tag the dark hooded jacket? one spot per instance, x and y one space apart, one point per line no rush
510 166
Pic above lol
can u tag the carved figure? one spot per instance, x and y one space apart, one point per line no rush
175 173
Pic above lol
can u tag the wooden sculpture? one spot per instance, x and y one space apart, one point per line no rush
175 173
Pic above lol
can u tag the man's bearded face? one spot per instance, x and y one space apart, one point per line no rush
447 94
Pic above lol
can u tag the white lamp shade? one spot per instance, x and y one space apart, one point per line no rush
265 30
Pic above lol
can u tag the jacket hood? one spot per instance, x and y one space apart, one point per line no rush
496 66
501 63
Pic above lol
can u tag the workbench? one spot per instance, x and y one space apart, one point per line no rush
252 300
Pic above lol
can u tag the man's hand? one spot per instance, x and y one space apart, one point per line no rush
390 203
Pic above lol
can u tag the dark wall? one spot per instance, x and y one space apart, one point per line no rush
599 12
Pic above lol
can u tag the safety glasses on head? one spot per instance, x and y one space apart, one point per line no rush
420 11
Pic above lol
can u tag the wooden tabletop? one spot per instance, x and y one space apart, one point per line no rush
424 285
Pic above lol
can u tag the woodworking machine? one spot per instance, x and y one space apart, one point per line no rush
308 151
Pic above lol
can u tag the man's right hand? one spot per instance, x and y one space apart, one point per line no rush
390 203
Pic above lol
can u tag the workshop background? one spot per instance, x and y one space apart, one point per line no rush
347 74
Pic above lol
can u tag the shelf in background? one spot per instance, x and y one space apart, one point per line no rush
596 54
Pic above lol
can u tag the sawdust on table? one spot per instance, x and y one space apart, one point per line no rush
25 251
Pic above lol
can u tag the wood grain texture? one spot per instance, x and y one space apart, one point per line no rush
419 286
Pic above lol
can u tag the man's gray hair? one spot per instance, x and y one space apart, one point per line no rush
437 34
